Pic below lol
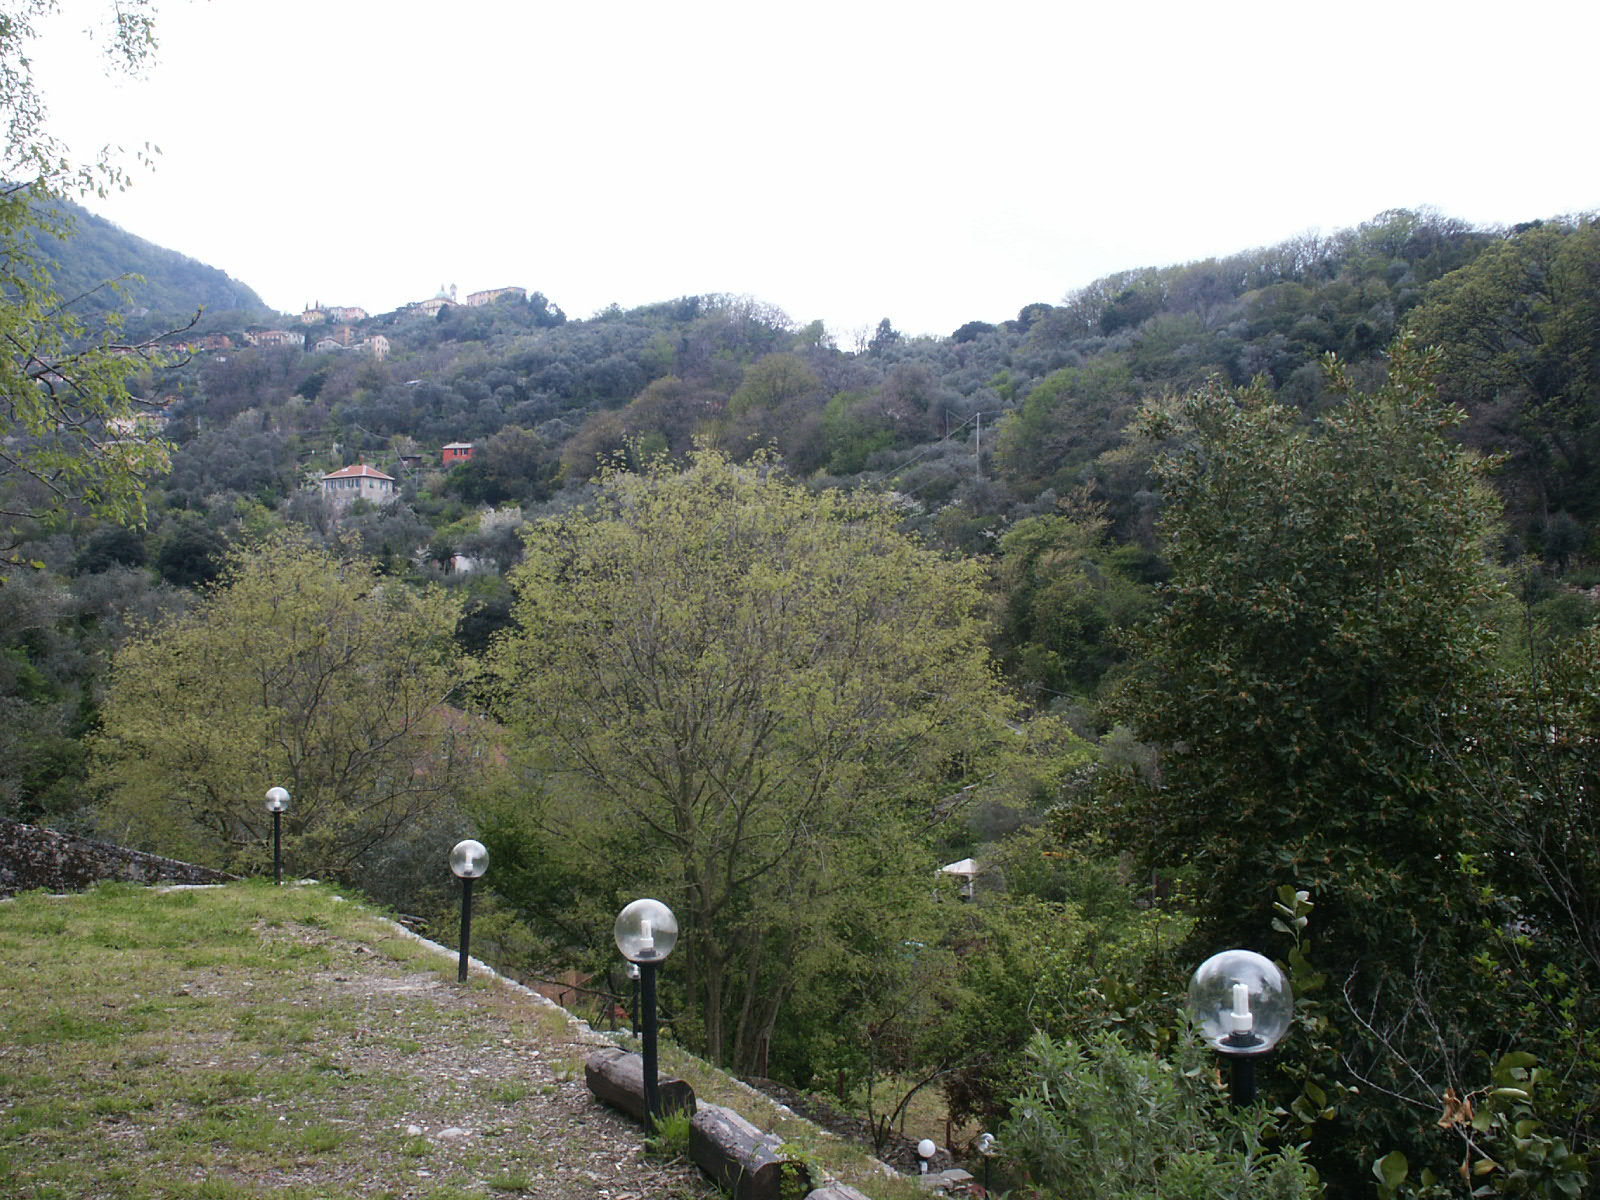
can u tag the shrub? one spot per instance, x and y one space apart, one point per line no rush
1100 1120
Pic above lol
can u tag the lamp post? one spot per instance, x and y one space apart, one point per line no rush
468 860
646 931
633 976
277 804
986 1149
925 1152
1243 1006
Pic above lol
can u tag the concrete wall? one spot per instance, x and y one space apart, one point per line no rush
31 857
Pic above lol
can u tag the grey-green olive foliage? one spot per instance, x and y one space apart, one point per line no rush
748 701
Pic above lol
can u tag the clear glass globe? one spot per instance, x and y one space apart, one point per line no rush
646 931
1241 1002
469 859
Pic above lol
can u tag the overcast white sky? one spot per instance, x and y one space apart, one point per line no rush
931 162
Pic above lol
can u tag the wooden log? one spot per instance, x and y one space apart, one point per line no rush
617 1078
742 1159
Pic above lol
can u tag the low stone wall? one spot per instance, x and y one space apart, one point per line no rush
31 857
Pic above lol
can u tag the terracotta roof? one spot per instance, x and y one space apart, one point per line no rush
359 471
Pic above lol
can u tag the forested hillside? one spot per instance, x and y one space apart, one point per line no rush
103 269
1309 529
1007 442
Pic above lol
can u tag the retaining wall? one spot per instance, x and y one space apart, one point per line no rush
31 857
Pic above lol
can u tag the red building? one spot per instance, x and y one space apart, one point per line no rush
457 452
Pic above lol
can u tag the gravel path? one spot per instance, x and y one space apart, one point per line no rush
510 1114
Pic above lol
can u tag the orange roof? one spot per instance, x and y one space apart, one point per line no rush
359 471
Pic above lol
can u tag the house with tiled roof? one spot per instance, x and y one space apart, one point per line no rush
359 482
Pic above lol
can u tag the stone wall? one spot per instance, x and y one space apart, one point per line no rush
31 857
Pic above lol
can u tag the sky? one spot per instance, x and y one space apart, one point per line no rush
930 162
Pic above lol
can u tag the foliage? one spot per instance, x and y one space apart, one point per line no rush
1065 600
669 1136
1031 966
302 669
1519 334
1322 633
63 387
748 701
1322 641
88 250
1066 421
1531 778
1505 1149
1102 1121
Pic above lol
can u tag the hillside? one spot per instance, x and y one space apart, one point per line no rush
251 1041
155 288
999 440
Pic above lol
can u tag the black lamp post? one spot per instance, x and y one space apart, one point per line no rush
277 805
646 931
469 860
1243 1006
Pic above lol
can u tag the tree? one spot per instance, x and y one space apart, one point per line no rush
1323 628
1064 600
1069 418
1533 778
748 701
299 669
1324 637
63 388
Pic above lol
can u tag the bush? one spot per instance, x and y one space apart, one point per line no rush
1102 1121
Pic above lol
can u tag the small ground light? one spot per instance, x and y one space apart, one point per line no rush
468 860
277 805
1243 1006
645 932
925 1151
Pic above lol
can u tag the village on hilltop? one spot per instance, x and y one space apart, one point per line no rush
343 319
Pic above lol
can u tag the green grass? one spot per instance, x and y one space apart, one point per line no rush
210 1044
253 1041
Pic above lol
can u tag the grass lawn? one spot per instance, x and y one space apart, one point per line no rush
252 1041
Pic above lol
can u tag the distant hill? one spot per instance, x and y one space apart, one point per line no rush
157 288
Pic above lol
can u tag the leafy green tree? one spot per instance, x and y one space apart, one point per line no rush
749 701
1063 601
1062 968
299 669
1533 772
1323 638
515 464
1323 629
63 387
772 382
1067 420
